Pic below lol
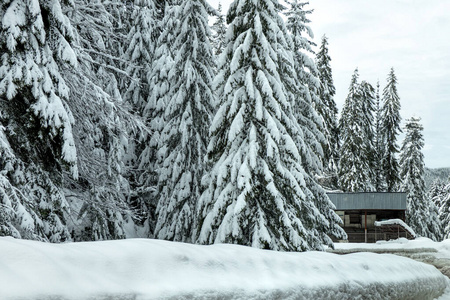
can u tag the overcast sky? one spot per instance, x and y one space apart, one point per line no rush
413 36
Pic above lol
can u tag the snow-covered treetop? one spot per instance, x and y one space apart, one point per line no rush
391 107
219 29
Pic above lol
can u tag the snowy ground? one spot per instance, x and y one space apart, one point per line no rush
420 249
152 269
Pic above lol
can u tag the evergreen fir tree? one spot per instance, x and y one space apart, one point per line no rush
390 128
354 167
444 210
436 192
330 111
31 205
412 171
309 111
307 105
434 223
379 180
219 29
256 190
153 115
367 94
36 121
141 42
187 116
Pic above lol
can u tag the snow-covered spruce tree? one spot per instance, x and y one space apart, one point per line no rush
444 212
256 192
141 41
435 226
153 115
412 171
378 169
367 93
31 206
354 168
187 118
390 128
38 144
307 104
309 111
436 192
139 56
219 29
329 113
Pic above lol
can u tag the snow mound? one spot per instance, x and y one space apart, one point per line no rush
142 269
419 243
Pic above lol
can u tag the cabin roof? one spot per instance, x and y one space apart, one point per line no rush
368 201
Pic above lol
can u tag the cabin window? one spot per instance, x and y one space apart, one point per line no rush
355 219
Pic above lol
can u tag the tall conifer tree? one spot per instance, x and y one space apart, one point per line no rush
355 174
309 110
444 211
37 143
256 192
219 29
307 105
412 172
140 46
160 93
141 42
367 93
330 111
436 192
35 43
379 180
188 114
390 128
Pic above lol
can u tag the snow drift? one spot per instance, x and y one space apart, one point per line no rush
154 269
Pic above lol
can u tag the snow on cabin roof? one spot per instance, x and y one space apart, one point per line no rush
395 222
360 201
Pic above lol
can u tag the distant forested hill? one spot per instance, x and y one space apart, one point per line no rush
432 174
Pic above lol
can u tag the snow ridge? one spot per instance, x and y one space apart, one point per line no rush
154 269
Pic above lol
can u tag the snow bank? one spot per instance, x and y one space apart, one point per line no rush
153 269
401 243
440 250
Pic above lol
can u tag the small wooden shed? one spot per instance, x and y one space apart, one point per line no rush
360 211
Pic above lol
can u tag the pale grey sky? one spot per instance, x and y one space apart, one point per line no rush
410 35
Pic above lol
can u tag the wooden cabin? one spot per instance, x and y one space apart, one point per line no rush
360 211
